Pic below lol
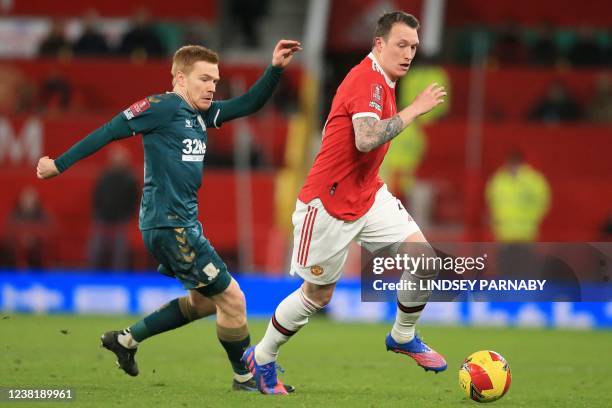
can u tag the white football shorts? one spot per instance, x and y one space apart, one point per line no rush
321 242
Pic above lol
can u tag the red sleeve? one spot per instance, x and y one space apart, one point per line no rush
366 96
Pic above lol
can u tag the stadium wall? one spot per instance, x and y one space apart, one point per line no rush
88 292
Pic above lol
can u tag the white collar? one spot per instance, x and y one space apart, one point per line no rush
378 67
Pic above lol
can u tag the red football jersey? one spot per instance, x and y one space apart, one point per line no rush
343 178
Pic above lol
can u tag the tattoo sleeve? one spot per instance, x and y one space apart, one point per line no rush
371 132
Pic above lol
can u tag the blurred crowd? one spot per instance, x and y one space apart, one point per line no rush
545 45
558 104
28 239
145 37
141 40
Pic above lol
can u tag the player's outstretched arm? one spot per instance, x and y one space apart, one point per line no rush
371 132
113 130
262 90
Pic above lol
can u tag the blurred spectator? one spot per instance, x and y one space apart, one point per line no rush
55 93
141 41
509 47
600 108
248 14
518 197
115 200
91 42
586 52
56 44
544 50
28 229
557 106
17 93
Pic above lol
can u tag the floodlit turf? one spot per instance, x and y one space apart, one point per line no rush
331 364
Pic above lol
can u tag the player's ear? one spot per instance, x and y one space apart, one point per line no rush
378 41
179 78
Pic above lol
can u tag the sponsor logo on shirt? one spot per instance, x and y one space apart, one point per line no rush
194 150
137 108
190 124
377 92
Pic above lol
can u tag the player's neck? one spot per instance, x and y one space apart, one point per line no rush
378 60
181 92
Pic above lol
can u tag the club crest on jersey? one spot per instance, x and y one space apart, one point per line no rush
137 108
316 270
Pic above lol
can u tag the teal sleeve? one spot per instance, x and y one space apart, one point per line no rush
116 129
152 112
250 102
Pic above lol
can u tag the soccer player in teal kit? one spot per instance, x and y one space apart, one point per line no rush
174 135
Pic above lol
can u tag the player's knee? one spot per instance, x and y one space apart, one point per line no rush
320 295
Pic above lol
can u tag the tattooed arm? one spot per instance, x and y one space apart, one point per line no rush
371 132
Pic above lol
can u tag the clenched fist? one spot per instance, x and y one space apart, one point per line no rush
46 168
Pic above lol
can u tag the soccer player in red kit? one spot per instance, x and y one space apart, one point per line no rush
343 199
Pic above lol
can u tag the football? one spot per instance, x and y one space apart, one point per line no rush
485 376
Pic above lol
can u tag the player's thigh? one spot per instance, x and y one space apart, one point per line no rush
320 243
387 223
187 255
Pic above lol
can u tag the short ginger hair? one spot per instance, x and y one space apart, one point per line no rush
187 55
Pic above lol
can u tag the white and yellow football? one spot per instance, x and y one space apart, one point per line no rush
485 376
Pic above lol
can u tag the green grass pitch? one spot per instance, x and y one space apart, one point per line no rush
331 364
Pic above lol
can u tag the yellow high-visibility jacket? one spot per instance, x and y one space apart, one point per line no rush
517 203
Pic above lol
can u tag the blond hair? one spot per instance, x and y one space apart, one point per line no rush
187 55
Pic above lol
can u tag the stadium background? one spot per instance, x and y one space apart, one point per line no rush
489 55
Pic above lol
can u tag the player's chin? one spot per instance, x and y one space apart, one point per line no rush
402 70
204 104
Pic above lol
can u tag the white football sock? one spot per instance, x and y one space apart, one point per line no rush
403 328
290 316
126 340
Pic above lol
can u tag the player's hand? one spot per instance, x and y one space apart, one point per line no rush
431 97
283 52
46 168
